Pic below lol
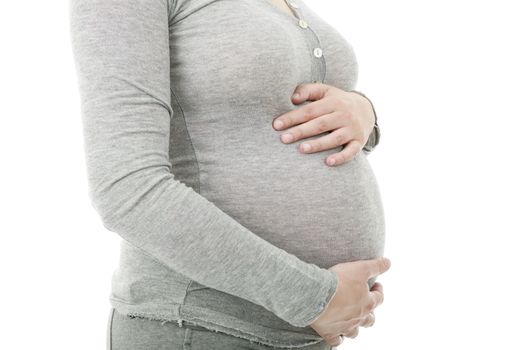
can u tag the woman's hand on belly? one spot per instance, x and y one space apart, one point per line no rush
348 114
353 302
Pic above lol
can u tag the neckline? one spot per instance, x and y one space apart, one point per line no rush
296 17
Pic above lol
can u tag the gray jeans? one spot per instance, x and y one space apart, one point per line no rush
135 333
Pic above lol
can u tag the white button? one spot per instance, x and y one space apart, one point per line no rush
318 52
293 4
303 24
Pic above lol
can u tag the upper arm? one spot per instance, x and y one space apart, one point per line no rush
122 57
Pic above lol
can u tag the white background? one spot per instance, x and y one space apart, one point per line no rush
446 78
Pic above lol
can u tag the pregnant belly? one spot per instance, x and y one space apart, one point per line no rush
323 215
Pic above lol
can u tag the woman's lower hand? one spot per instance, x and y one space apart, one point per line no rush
353 303
368 321
348 115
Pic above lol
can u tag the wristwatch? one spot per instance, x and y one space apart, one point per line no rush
373 139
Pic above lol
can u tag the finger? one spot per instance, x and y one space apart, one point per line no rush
350 330
341 339
353 323
353 333
339 136
369 320
350 150
376 299
376 266
309 91
305 113
314 127
335 340
377 286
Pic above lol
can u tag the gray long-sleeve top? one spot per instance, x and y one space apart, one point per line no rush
223 225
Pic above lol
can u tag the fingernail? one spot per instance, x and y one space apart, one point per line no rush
286 137
295 95
278 124
307 147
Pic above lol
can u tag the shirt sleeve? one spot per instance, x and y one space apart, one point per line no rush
121 51
373 140
375 135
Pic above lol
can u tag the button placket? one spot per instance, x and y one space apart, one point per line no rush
293 4
303 24
319 56
316 50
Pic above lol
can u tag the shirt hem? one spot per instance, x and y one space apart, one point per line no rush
217 322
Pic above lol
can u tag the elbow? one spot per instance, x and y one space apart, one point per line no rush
105 200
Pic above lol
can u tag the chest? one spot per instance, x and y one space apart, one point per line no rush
251 51
283 6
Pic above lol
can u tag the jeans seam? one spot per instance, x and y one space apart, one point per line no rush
186 344
110 335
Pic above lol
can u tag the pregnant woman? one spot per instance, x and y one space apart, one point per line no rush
233 236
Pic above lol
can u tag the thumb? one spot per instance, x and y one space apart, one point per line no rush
374 267
309 92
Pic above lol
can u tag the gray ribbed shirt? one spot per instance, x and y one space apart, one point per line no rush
222 224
